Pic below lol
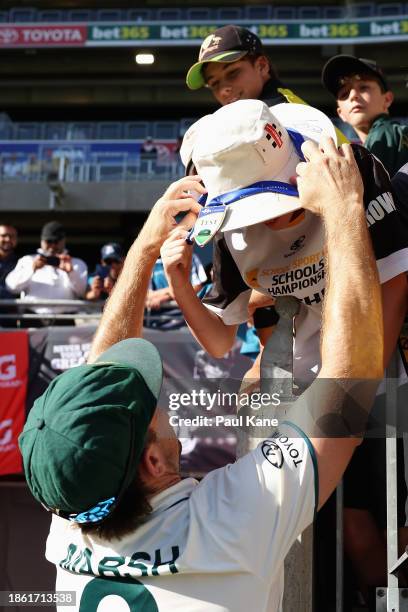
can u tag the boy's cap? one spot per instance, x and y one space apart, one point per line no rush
227 44
84 436
245 143
112 250
340 66
54 230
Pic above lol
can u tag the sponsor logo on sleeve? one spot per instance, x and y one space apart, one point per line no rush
272 453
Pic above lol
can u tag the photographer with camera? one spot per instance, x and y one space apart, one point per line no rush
50 274
101 283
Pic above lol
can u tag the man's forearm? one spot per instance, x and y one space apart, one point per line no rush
123 314
352 313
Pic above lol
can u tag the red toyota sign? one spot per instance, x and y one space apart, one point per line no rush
43 36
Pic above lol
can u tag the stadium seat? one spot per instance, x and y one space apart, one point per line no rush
82 130
137 130
109 130
139 15
170 14
333 12
54 131
309 12
199 14
81 15
165 130
22 15
257 12
393 8
5 127
4 16
5 131
52 16
365 9
229 14
26 131
110 15
284 12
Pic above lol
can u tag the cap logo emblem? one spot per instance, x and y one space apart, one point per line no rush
210 44
274 134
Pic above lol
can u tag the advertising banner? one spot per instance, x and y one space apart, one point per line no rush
43 35
290 32
277 33
13 389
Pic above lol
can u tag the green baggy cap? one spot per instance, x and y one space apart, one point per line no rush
84 436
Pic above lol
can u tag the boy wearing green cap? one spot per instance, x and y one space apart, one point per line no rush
233 65
127 531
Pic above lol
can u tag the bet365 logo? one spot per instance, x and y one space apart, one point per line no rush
8 369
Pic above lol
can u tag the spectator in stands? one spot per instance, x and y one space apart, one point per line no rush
8 261
106 273
363 100
160 296
8 257
49 274
148 156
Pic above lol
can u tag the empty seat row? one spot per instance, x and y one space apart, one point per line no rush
87 130
229 14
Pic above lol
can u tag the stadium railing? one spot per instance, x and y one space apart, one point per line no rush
80 310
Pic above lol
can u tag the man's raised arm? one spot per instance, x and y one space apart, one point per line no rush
333 411
123 314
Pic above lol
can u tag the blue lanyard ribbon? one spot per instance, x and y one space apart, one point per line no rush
261 186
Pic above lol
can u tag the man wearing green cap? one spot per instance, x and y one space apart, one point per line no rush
128 533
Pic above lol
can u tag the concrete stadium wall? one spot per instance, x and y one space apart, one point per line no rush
106 196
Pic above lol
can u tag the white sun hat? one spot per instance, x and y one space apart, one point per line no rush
246 154
189 139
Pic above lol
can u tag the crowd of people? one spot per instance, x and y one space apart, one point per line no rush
344 220
52 273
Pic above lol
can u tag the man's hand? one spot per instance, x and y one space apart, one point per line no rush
65 262
329 179
108 284
155 298
174 201
39 261
96 289
176 256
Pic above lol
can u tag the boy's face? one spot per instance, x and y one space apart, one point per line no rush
360 100
240 80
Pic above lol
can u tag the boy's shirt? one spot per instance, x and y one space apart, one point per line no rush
291 262
388 140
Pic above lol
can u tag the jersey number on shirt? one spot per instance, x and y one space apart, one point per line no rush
134 593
